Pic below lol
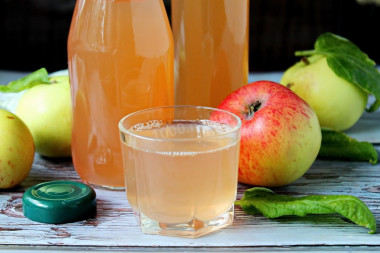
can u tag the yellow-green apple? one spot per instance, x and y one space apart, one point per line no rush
338 103
16 150
280 133
46 110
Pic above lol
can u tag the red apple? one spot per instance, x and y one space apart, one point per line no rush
280 134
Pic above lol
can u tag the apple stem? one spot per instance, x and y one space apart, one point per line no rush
252 108
305 60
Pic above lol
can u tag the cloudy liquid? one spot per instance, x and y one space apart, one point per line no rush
181 180
211 49
120 56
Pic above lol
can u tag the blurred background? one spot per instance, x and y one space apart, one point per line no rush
33 33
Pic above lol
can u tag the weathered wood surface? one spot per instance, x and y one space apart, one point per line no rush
114 227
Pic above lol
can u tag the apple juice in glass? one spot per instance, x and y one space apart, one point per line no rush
120 55
181 166
211 49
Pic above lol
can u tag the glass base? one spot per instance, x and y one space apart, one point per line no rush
191 229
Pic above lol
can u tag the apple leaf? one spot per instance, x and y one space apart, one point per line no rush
37 77
263 201
348 62
338 145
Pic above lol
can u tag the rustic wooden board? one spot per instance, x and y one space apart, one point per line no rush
114 226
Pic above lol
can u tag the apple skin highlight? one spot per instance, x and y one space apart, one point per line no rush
280 137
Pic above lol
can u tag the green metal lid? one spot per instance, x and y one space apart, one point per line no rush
59 202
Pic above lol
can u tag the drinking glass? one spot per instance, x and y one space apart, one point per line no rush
181 166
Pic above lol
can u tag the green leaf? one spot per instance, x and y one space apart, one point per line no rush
338 145
348 62
37 77
263 201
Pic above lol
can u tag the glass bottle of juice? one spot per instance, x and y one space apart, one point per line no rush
120 56
211 49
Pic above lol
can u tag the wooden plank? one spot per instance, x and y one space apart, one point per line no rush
317 249
115 225
115 228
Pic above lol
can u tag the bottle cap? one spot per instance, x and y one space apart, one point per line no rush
59 202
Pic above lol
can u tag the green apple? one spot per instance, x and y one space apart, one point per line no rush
16 150
46 110
338 103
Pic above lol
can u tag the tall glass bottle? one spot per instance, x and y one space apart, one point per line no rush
211 49
120 56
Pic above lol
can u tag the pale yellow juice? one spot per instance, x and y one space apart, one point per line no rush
189 173
211 49
120 56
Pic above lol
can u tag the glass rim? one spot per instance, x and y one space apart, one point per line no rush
126 131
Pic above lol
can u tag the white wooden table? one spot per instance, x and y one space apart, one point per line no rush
114 228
